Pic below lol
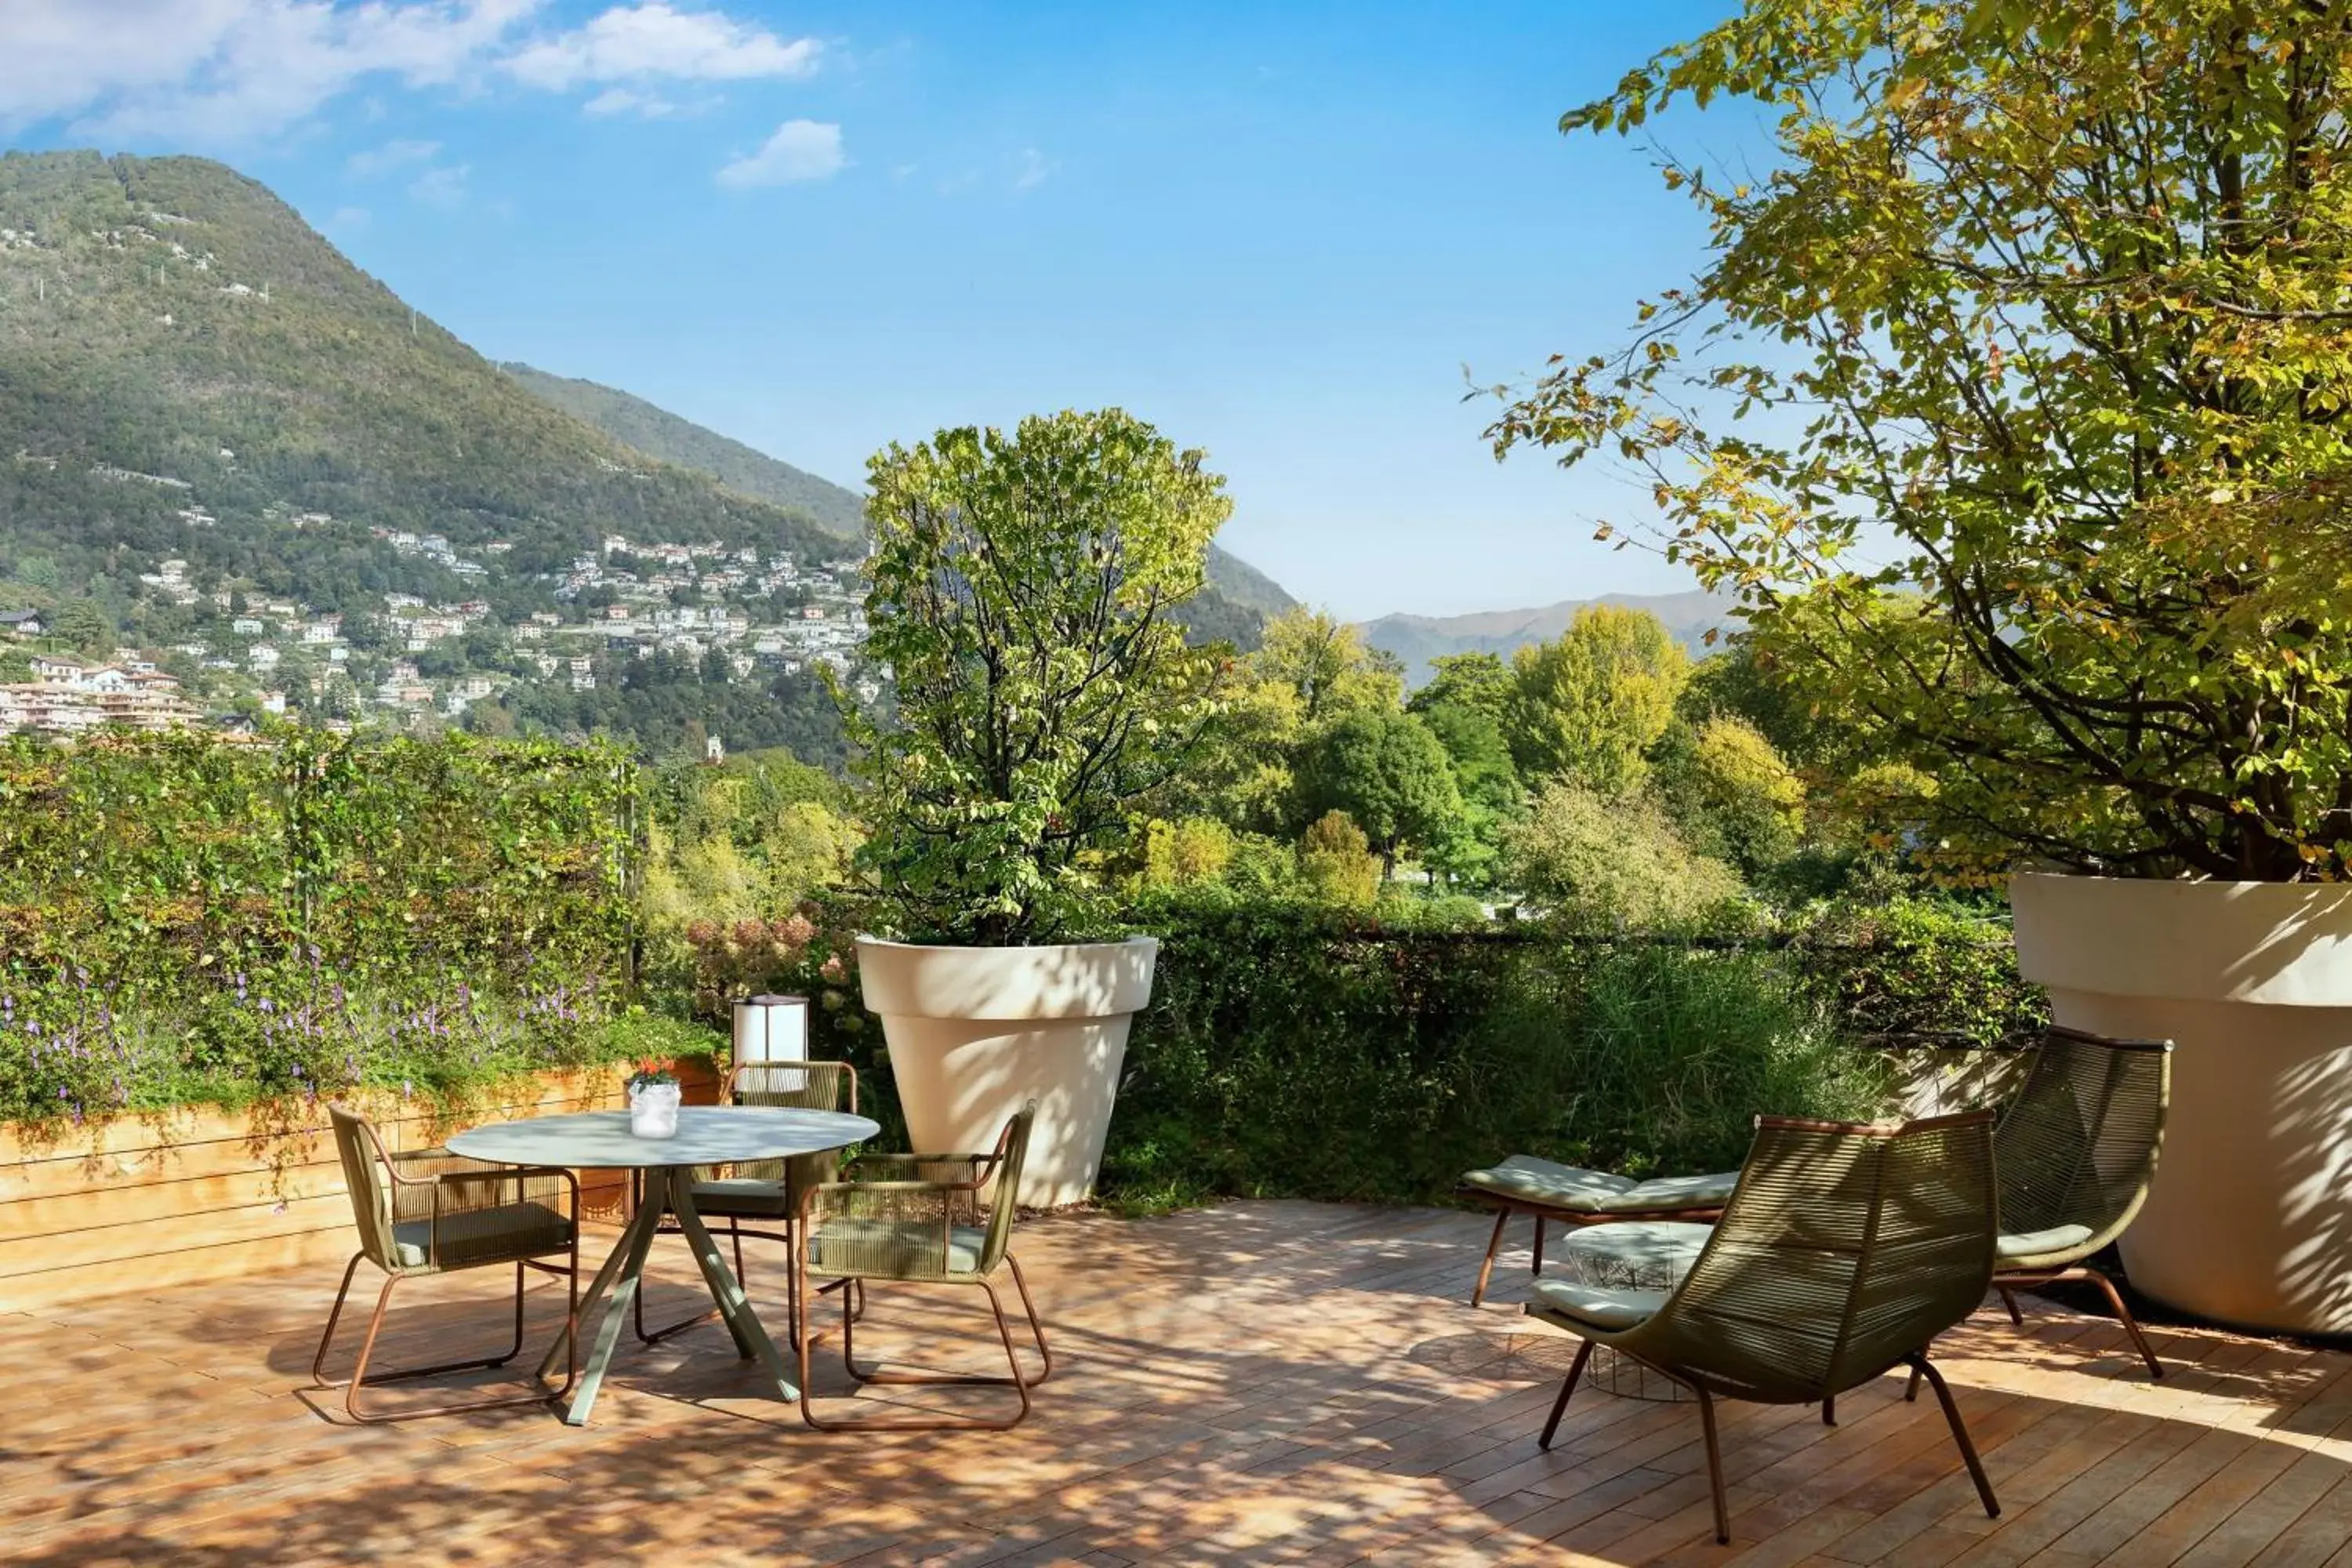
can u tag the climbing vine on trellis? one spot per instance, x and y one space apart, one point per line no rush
184 918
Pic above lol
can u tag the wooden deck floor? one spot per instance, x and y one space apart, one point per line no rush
1262 1383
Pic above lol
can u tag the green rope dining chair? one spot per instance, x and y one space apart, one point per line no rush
431 1212
766 1192
1841 1253
2075 1150
938 1219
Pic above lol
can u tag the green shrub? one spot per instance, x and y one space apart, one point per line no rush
185 919
1907 968
1289 1050
1607 866
1335 863
1659 1059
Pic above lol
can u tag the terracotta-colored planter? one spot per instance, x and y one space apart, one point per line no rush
2249 1220
974 1031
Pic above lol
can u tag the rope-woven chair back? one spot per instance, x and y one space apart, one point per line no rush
2078 1142
797 1086
367 1182
793 1085
1014 1146
1844 1250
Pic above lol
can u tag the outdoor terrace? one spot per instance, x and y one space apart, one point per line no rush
1265 1382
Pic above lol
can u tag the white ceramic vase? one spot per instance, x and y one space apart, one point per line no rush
972 1032
652 1109
2249 1220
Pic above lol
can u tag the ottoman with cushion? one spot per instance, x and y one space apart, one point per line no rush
1546 1190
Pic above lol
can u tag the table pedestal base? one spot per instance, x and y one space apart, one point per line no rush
616 1285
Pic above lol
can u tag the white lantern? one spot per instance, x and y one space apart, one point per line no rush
771 1029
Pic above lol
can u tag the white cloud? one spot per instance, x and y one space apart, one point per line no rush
800 150
443 188
1032 170
622 100
632 42
350 218
225 71
211 71
391 155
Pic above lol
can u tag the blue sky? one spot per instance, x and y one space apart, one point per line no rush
1280 232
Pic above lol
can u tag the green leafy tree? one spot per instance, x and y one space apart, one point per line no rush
84 627
1327 663
1182 853
1022 590
1742 682
1732 796
1599 865
1474 682
1587 706
2042 312
1489 783
1389 775
1336 862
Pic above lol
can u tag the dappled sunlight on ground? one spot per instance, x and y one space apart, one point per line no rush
1260 1382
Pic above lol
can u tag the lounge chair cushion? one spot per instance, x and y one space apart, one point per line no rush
478 1235
1593 1306
1572 1189
2059 1240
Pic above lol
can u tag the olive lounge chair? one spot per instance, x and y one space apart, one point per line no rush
932 1229
432 1212
766 1192
2076 1149
1841 1254
1524 1184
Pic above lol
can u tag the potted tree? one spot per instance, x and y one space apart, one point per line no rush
1022 591
2019 410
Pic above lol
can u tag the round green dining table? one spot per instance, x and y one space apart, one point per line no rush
707 1135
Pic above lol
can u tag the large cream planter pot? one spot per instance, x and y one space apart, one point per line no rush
974 1031
2249 1220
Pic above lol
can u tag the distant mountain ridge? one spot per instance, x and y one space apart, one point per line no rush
1417 639
658 433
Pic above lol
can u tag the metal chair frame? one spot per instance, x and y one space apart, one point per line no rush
361 1378
1001 1165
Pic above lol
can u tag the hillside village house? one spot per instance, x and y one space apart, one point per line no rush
23 623
65 696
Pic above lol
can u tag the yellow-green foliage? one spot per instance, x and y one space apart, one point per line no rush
1587 706
1733 795
1181 854
1612 865
1336 863
730 848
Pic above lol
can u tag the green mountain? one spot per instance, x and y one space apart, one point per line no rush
1234 606
660 433
1237 580
187 370
1417 639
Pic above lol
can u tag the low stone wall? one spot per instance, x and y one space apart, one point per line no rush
141 1201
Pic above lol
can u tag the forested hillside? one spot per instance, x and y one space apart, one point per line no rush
658 433
187 370
1234 606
